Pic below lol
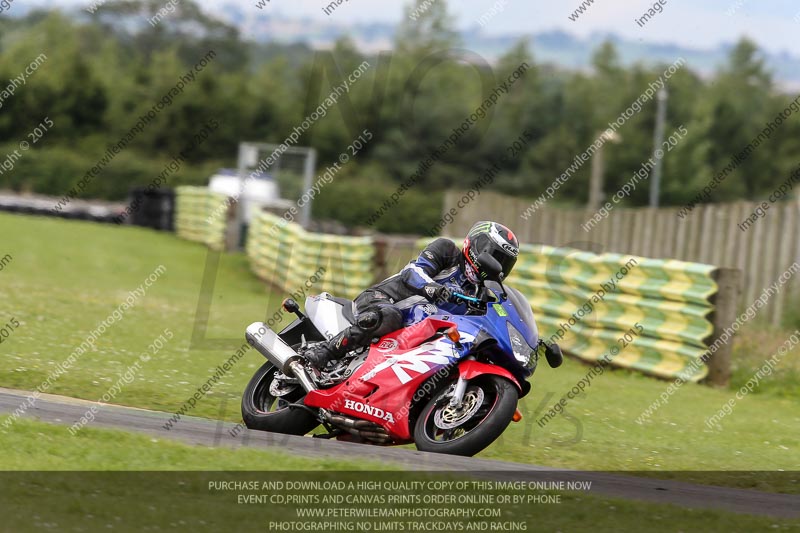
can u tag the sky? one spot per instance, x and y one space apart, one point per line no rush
773 24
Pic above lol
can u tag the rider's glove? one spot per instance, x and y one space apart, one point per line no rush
438 293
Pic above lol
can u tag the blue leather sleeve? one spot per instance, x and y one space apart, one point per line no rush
415 276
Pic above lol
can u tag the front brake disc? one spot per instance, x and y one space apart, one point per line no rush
448 417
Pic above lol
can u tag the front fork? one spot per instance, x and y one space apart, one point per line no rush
461 385
468 369
458 393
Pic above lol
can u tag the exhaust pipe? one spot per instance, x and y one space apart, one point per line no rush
361 428
277 352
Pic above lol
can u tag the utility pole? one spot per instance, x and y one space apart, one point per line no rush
247 158
598 169
308 181
658 138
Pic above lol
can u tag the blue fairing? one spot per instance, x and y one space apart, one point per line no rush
513 310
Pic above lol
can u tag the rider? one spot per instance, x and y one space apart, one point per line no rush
441 270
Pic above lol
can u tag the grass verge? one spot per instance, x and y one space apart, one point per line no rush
183 499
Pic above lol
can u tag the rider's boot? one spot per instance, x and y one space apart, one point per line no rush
349 339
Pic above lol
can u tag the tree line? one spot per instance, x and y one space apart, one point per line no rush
106 69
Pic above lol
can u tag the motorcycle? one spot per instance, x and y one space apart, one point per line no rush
447 383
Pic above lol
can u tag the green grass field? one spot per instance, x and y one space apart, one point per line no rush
32 445
67 276
46 459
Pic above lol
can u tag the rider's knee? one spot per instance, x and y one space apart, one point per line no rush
391 320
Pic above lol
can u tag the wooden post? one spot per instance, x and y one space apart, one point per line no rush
233 232
381 243
725 308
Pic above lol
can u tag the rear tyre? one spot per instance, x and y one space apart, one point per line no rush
488 406
264 412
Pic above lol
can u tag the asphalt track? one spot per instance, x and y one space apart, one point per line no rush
205 432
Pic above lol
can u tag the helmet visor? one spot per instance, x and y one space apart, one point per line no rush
506 260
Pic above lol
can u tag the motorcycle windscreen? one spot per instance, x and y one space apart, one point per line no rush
326 314
530 330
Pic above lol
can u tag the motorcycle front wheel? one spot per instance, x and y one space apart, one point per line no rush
487 409
263 411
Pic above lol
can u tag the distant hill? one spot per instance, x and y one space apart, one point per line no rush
557 47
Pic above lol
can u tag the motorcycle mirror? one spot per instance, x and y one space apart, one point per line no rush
553 354
290 306
491 267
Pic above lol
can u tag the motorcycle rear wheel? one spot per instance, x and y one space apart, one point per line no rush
488 406
264 412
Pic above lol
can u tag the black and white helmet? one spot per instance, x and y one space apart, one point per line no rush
492 238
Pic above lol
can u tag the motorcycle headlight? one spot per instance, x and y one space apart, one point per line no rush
522 352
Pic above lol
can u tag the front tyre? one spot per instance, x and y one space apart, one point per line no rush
263 411
488 406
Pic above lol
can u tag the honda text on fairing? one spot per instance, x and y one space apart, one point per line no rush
448 383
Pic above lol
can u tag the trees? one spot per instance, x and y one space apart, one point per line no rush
736 109
104 72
